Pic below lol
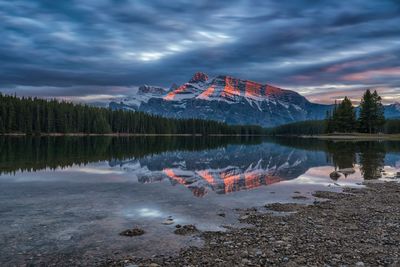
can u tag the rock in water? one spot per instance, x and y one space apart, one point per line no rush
334 175
132 232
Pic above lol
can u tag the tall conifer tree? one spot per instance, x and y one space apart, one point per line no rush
372 118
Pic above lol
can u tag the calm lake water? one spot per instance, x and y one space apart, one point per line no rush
70 197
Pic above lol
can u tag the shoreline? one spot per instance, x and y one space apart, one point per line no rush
358 227
355 136
124 134
344 136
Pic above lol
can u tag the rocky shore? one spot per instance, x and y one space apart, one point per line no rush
359 227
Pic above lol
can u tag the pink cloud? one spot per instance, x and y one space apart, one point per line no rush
341 66
371 74
389 94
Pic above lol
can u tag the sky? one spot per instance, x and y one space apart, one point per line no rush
93 50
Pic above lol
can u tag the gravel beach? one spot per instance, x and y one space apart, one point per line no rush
359 227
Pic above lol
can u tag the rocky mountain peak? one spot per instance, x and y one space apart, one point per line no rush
145 89
199 77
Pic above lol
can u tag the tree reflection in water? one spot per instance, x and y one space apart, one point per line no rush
202 164
370 155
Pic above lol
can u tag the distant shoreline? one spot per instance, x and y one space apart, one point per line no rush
338 136
354 136
122 134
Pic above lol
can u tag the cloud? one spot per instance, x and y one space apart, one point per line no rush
86 49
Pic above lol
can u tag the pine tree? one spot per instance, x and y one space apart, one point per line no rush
366 110
2 128
36 122
379 119
11 125
343 118
346 116
371 119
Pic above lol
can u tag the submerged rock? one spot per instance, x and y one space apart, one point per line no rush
186 230
132 232
300 197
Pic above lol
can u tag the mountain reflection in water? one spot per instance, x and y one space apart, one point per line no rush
215 164
227 169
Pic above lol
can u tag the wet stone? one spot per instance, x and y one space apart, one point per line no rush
132 232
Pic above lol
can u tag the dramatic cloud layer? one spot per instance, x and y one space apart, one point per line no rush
94 49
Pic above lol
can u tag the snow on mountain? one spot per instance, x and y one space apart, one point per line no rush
227 99
397 106
143 95
392 111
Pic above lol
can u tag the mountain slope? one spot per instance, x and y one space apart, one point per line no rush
226 99
393 111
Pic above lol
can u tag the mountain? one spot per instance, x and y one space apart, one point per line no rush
392 111
227 99
143 95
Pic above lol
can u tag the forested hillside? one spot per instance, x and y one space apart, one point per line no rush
39 116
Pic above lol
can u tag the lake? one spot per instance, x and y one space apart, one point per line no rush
68 198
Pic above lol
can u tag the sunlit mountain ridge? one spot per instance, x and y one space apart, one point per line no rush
228 99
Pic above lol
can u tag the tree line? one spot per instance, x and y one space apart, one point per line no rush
39 116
